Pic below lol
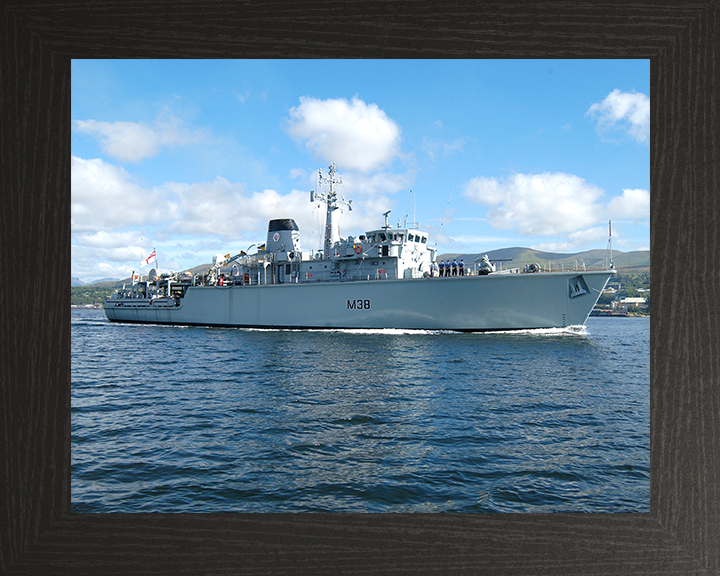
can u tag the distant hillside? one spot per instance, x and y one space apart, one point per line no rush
637 262
629 263
95 292
77 282
115 283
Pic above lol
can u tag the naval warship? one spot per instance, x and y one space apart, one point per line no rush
384 278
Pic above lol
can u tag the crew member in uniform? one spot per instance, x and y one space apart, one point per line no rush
462 267
442 268
454 267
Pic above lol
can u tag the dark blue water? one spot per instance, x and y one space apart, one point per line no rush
192 419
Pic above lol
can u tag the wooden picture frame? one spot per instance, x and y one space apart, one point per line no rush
38 534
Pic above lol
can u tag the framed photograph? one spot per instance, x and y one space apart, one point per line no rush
42 533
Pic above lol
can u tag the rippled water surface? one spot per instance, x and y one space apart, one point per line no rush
193 419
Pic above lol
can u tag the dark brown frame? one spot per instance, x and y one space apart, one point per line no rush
38 534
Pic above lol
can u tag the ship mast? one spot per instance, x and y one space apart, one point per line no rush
329 197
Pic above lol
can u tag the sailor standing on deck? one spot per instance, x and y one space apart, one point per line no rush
442 268
432 269
454 267
462 267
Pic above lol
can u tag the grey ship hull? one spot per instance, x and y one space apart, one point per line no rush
470 303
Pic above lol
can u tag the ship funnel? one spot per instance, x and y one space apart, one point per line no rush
283 235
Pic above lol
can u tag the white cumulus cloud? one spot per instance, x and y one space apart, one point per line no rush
633 204
135 141
546 204
589 237
356 135
106 203
559 205
104 197
105 239
214 208
629 111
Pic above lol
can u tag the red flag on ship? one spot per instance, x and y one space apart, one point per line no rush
147 260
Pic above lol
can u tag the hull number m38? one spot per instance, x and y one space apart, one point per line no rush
358 304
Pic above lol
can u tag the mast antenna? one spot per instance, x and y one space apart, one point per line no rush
329 197
410 196
444 215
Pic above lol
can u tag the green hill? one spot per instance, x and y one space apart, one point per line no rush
637 262
627 263
96 292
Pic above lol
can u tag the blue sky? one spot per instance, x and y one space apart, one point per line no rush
193 157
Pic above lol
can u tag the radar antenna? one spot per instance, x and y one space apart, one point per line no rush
387 219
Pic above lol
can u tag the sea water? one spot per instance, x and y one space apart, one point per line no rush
199 419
